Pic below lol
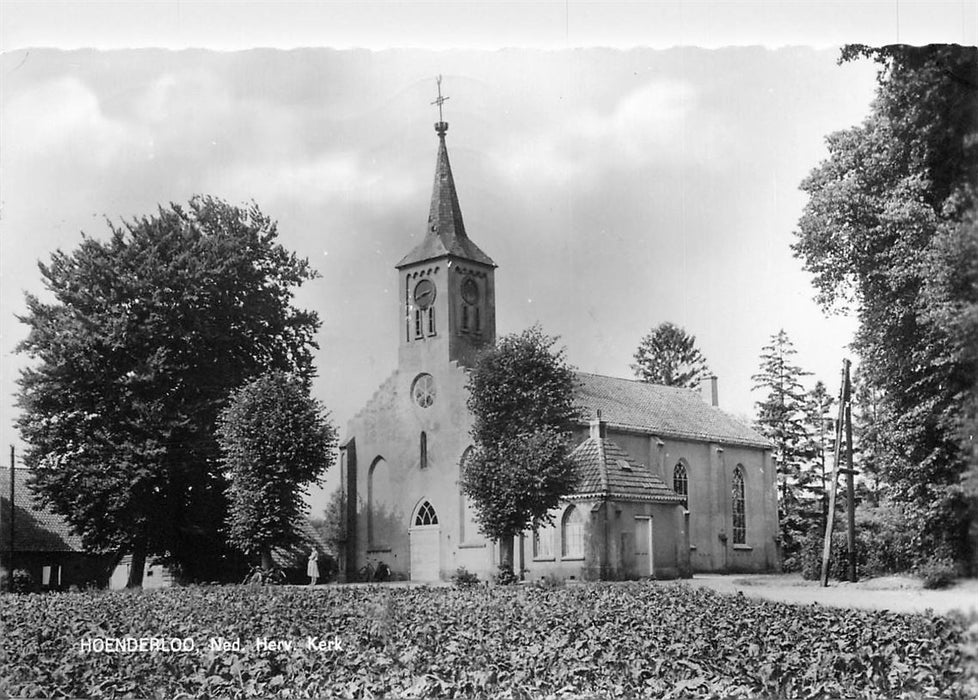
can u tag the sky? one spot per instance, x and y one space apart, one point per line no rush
618 180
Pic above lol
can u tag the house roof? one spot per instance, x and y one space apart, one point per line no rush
297 555
445 234
36 529
659 410
606 470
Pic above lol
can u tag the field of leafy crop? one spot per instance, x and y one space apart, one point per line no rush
596 639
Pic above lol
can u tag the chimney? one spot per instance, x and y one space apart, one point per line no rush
599 428
708 390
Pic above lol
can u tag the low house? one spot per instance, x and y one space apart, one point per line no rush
43 543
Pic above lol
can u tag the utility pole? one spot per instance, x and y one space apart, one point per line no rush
845 422
10 557
3 552
850 485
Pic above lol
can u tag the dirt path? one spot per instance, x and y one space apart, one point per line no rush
894 593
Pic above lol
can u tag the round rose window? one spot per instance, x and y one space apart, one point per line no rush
423 390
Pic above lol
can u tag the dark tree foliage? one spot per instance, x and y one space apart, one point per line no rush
781 418
521 395
668 355
275 442
142 337
890 230
871 448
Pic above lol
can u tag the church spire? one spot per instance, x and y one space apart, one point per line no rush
445 234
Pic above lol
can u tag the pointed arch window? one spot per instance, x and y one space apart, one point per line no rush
468 527
572 533
738 496
680 482
426 515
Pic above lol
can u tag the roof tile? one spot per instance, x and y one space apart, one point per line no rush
606 470
36 529
664 411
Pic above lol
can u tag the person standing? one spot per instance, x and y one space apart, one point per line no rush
312 569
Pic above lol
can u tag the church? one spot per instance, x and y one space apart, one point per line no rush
668 483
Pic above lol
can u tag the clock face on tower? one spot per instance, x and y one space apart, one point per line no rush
424 294
470 291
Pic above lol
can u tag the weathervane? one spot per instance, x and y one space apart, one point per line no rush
439 101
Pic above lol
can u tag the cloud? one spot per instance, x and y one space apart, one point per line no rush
647 125
64 118
339 178
646 122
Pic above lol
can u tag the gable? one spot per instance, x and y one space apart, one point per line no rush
659 410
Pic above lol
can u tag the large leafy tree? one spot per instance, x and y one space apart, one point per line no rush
521 394
275 442
135 348
668 355
871 448
781 417
890 231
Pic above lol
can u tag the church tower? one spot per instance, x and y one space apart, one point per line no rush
446 285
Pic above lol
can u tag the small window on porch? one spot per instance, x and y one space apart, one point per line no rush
572 533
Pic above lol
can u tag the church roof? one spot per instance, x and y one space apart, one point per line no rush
606 470
659 410
36 529
445 234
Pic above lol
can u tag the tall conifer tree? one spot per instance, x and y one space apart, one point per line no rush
781 416
668 355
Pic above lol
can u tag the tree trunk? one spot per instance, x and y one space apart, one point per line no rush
266 558
506 553
138 562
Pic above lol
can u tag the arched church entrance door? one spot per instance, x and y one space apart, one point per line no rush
425 538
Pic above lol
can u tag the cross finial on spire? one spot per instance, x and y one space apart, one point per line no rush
441 127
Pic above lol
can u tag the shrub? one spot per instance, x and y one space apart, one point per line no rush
886 538
463 578
23 582
550 582
505 576
939 572
811 556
